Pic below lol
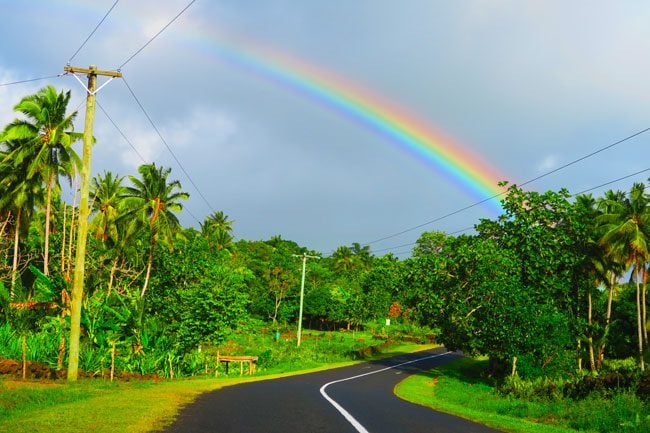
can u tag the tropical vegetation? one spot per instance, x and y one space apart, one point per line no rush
554 288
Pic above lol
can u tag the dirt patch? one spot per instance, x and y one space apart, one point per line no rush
35 370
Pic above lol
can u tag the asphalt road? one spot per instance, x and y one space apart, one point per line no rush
296 404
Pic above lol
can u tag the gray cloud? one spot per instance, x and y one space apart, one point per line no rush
520 84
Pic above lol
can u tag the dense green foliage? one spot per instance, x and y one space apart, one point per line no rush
522 406
539 290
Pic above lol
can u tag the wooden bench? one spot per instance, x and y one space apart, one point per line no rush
252 362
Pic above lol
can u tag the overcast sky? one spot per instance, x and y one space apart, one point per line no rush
527 86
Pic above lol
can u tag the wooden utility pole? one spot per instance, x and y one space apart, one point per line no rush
302 292
84 212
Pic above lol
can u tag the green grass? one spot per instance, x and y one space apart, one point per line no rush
142 406
458 389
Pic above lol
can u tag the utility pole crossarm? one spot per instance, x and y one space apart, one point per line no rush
72 69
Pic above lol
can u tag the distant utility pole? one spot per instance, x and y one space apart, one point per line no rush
302 290
84 212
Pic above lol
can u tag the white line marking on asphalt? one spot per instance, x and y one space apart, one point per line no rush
352 420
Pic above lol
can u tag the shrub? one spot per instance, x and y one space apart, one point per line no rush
543 388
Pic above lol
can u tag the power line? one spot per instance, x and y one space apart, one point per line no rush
435 219
582 158
413 243
573 195
587 156
612 181
144 161
167 145
93 32
156 35
31 80
396 246
121 133
397 253
191 214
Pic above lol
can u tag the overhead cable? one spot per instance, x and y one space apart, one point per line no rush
582 158
413 243
93 32
121 133
573 195
32 79
586 156
187 175
144 161
612 181
156 35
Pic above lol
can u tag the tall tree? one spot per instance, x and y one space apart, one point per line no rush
216 221
429 243
344 259
107 192
155 199
217 229
20 196
606 269
46 134
626 235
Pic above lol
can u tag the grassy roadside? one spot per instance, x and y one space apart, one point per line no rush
457 388
129 407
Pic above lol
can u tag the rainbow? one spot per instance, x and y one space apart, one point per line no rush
395 124
398 126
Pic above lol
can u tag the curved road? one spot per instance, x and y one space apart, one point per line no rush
307 403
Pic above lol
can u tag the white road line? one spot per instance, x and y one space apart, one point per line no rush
352 420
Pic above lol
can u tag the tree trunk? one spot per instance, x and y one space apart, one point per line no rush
113 361
65 209
638 315
171 366
149 264
4 225
608 318
278 300
514 366
48 210
592 362
65 303
24 356
112 275
59 359
579 356
14 267
644 273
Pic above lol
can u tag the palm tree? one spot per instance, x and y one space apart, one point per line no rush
217 229
107 205
626 234
154 201
363 254
216 220
344 259
46 135
107 192
606 268
603 269
20 196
